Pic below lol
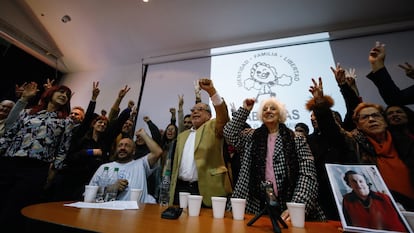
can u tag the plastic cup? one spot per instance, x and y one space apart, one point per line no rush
135 195
219 206
194 205
297 214
183 199
90 193
238 205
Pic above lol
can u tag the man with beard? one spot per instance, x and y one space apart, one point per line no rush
132 173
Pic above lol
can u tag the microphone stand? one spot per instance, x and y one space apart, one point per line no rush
271 207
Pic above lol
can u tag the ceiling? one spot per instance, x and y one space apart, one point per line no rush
107 33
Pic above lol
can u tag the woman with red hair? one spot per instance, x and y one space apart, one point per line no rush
31 150
90 147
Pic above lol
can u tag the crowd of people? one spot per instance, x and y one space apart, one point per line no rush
50 151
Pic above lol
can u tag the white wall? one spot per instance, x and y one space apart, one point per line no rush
166 81
110 83
163 85
354 53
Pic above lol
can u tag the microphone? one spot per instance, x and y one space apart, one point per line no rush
271 200
272 207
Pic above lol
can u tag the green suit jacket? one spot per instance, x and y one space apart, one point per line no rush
213 178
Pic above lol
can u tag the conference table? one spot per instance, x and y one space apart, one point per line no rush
148 219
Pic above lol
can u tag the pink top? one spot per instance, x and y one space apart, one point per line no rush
270 173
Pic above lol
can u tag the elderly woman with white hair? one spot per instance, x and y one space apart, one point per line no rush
273 153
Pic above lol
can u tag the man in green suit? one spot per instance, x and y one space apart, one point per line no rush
198 165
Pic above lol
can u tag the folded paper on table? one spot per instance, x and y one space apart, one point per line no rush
111 205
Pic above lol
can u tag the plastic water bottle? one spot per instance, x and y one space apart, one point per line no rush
111 190
164 197
102 183
165 191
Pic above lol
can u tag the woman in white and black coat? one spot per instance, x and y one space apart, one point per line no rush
273 152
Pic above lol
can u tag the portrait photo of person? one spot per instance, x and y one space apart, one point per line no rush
363 200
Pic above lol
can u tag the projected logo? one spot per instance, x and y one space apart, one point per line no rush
265 71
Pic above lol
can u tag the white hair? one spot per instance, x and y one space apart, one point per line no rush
280 107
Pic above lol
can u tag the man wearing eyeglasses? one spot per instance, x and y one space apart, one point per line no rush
391 151
198 165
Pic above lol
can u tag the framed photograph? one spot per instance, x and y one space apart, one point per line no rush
363 200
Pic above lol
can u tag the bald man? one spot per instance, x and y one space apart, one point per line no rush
132 173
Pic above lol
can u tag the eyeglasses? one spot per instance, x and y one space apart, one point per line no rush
199 109
365 117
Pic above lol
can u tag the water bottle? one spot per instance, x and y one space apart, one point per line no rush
102 183
164 197
165 191
111 190
122 174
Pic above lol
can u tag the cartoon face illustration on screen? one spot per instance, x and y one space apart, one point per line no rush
263 77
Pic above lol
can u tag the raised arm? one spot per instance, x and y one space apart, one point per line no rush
89 115
349 91
408 69
180 113
49 84
222 115
113 114
321 105
233 108
154 130
28 91
234 128
376 57
390 93
350 79
197 92
173 119
155 149
134 113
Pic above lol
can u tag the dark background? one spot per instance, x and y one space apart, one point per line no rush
18 67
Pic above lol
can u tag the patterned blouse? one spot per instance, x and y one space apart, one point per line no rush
41 136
